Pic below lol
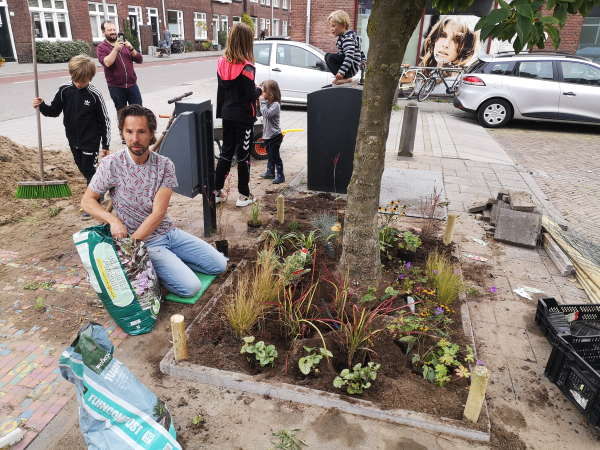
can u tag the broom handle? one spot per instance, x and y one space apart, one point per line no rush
37 94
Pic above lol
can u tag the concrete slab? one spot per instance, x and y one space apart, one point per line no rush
518 228
520 201
479 206
414 189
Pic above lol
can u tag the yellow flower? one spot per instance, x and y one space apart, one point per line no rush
391 203
426 328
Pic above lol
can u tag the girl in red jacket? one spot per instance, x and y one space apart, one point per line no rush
236 105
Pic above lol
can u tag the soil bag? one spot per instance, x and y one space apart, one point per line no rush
121 273
116 411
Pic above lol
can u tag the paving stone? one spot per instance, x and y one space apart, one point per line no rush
505 198
479 216
495 209
518 227
487 215
492 201
520 201
489 228
478 206
501 193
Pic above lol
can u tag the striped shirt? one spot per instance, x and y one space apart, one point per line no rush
348 45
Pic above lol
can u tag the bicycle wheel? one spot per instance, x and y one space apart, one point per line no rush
427 89
415 86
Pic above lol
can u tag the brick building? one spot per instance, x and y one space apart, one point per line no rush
579 35
192 20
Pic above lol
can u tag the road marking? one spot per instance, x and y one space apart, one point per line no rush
19 82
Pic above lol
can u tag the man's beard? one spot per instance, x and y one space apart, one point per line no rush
138 152
109 39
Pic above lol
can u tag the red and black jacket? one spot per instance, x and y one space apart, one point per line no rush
237 92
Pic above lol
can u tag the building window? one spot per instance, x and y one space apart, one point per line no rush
276 27
51 19
284 4
253 1
275 3
262 24
262 2
284 29
255 22
268 27
267 2
224 23
236 19
200 26
175 21
589 40
97 17
215 24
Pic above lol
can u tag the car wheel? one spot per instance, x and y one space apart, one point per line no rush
494 113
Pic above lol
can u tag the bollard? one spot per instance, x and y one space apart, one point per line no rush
449 229
409 129
179 342
280 208
479 381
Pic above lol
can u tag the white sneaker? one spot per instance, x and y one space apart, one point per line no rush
219 197
245 201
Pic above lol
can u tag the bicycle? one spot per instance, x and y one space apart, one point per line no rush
178 46
438 74
411 81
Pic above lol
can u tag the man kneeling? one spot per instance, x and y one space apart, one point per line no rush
140 183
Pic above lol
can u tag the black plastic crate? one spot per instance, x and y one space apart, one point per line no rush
576 378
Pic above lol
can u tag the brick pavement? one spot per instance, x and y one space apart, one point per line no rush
561 159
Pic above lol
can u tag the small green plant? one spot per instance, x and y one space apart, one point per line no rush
441 360
189 47
294 226
288 440
223 38
264 354
445 276
409 241
307 241
324 223
293 268
133 40
53 211
296 309
308 363
278 239
60 51
39 303
30 220
206 46
396 107
198 419
253 219
32 286
359 379
472 290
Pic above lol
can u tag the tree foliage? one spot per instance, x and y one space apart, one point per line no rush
248 21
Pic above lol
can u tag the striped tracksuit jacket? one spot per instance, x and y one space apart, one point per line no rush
348 45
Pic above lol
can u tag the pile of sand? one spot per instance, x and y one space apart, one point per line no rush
18 163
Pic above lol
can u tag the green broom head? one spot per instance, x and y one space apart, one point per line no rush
43 190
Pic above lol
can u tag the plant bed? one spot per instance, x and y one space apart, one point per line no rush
276 350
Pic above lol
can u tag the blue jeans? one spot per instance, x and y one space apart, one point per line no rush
122 97
176 253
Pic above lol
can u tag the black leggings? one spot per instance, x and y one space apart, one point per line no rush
86 161
237 139
334 62
273 145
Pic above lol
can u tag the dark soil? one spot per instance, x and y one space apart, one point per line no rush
398 386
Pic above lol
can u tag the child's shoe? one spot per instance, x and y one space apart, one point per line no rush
270 173
245 201
219 197
280 178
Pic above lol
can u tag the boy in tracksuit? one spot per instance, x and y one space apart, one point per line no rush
345 64
86 119
236 105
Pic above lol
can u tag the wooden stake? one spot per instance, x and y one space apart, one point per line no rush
479 381
280 208
179 343
449 229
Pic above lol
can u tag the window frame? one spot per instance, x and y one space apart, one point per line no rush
255 22
284 4
487 68
517 69
53 12
276 29
113 17
561 76
224 19
284 28
268 28
180 23
275 3
203 32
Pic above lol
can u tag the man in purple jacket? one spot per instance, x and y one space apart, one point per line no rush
117 57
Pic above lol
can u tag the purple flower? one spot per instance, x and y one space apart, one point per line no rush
400 276
439 310
408 265
492 289
456 272
435 271
479 363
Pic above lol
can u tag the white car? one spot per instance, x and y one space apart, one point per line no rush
298 68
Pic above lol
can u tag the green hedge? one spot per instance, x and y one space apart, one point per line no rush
60 51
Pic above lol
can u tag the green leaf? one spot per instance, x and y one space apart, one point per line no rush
481 23
550 5
308 349
537 4
305 366
560 12
517 46
497 16
416 358
338 382
249 340
523 27
554 34
408 339
344 373
549 19
323 352
524 9
373 375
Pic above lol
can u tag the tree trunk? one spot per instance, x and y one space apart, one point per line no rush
390 27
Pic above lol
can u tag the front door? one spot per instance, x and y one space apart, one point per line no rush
5 43
580 92
297 71
133 24
154 23
535 90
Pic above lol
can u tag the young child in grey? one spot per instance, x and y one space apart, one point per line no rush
270 109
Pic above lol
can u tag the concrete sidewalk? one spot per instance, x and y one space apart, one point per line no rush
14 69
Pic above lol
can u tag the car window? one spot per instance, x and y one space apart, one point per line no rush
475 66
499 68
580 73
262 53
541 70
296 56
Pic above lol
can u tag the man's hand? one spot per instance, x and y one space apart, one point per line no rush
118 46
117 229
105 152
37 102
128 45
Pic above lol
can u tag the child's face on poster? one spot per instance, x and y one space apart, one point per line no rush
445 46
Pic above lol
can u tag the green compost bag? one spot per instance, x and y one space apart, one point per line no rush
116 411
121 273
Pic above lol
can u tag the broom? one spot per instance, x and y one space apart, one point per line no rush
43 188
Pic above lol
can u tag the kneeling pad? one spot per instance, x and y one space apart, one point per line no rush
204 279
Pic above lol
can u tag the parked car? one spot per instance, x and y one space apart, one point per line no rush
531 86
298 68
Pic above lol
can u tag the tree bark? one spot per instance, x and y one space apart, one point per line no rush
390 27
